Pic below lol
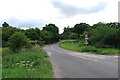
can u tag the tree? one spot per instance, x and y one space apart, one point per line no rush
68 30
5 24
73 36
114 24
17 41
54 31
80 28
47 36
33 34
99 24
6 33
105 36
51 27
68 33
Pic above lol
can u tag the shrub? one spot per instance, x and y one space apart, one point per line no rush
105 36
17 41
88 49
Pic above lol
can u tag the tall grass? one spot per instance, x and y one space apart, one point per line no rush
33 63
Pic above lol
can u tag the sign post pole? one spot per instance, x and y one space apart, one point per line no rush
86 40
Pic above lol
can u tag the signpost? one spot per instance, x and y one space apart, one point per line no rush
86 40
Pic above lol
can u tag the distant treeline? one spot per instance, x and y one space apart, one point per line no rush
100 34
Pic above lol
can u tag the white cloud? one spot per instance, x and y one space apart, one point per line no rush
32 13
70 10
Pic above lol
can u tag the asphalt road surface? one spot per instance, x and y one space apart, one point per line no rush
69 64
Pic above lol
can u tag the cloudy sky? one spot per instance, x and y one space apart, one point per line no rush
36 13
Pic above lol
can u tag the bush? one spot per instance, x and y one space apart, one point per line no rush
17 41
105 36
88 49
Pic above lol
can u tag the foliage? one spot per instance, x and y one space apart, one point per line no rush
105 36
68 30
33 63
47 36
74 32
5 24
69 33
6 33
114 24
6 51
52 28
33 34
73 36
51 32
98 24
80 28
17 41
100 35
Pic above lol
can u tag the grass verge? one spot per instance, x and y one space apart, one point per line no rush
76 47
33 63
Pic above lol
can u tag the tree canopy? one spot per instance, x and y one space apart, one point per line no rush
17 41
80 28
5 24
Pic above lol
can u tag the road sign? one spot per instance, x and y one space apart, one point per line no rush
86 42
86 38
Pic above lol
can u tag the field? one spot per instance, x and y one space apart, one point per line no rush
76 46
32 63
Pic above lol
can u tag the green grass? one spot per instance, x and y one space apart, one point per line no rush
33 63
78 48
108 51
70 46
70 40
6 51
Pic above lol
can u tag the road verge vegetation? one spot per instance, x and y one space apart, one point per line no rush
32 63
76 46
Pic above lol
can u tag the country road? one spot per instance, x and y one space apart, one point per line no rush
69 64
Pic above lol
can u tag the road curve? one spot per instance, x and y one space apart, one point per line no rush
69 64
